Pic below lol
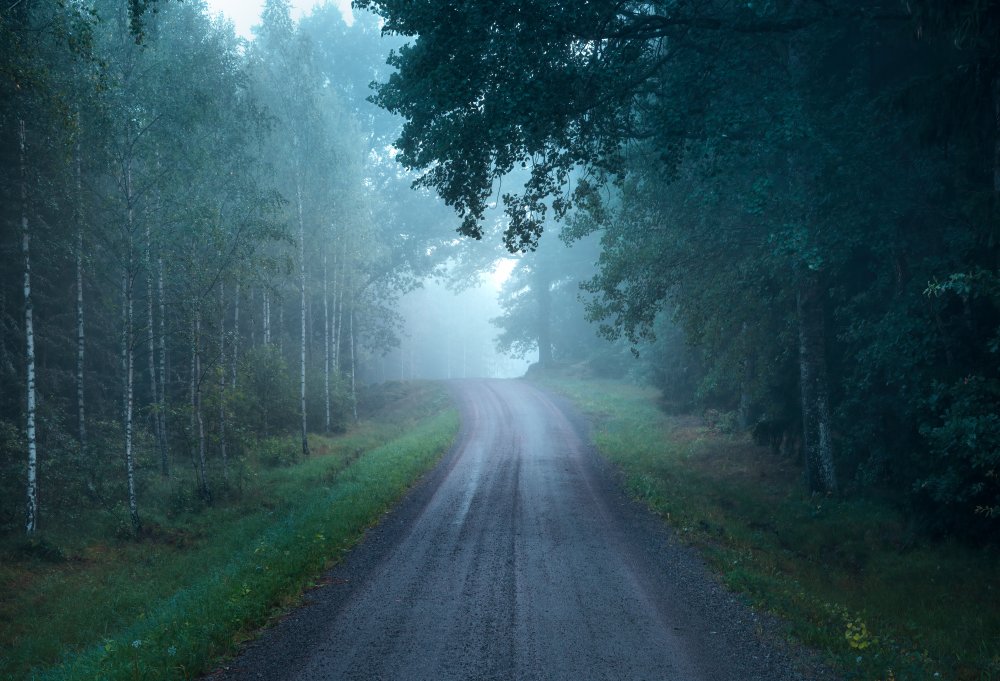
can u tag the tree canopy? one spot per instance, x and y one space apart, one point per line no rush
810 189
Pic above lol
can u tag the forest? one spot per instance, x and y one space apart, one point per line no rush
799 201
197 236
782 215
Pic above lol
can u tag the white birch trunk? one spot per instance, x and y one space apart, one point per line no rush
267 317
222 383
354 390
326 346
128 347
236 337
198 416
129 404
80 338
337 286
151 342
161 401
252 321
31 519
192 401
302 298
339 320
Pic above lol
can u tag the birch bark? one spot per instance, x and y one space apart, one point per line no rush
161 400
302 300
266 313
206 492
222 383
128 347
31 520
236 337
80 337
326 347
354 388
151 341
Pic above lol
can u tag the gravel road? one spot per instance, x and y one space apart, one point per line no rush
519 557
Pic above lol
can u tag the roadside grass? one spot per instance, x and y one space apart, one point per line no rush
848 574
201 578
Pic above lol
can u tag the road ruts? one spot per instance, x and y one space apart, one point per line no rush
517 558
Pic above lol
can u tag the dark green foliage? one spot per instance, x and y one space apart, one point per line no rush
267 393
810 190
965 445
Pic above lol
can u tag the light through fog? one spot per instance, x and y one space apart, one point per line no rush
448 334
245 15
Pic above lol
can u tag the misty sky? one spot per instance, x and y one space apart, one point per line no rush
246 13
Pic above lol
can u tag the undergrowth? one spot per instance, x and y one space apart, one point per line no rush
849 574
98 603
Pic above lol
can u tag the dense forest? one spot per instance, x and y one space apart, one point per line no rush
788 211
201 237
800 201
745 255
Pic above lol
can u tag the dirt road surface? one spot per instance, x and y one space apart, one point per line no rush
519 557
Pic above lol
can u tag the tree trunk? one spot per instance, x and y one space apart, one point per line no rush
129 350
302 294
252 321
31 519
326 348
192 399
338 318
266 313
814 385
340 284
817 445
151 340
994 239
236 337
80 338
222 383
206 493
161 406
746 379
354 388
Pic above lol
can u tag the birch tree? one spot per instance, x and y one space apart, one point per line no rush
31 523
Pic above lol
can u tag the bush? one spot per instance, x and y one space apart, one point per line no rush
965 443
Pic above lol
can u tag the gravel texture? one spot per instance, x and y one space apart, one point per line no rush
519 557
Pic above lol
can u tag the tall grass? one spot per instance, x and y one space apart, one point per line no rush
849 574
169 604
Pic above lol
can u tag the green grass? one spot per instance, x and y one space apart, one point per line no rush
170 603
848 574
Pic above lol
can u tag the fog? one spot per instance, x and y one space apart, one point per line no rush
447 334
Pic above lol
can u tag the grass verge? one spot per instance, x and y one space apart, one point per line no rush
846 573
167 605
